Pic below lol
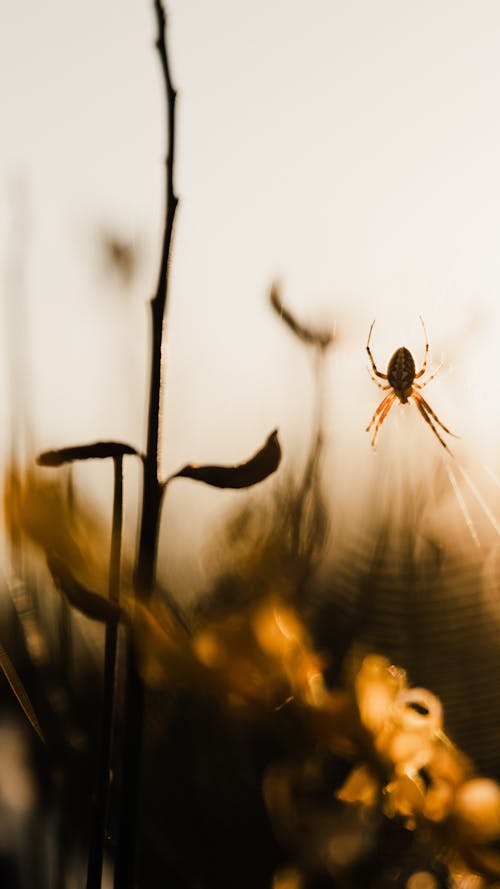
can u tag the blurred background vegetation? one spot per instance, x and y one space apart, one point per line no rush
352 153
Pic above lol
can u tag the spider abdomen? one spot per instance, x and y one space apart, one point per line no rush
401 372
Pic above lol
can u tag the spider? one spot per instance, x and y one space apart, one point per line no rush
401 378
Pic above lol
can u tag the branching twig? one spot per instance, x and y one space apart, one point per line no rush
151 507
152 493
307 513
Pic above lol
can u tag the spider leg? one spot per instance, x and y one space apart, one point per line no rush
429 410
377 372
418 401
380 408
391 399
422 371
372 377
421 385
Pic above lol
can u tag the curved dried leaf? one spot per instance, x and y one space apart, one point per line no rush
321 338
244 475
19 690
99 450
90 604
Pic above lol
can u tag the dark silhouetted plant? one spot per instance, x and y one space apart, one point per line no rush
243 475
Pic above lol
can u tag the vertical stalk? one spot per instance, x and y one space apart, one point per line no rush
309 479
145 572
65 616
152 492
100 803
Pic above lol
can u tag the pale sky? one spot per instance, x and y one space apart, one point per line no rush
349 149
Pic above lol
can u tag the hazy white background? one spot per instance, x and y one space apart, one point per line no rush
350 150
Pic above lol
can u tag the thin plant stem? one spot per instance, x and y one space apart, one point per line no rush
124 877
145 572
153 488
100 803
301 546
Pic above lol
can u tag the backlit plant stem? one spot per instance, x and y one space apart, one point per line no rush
153 489
100 803
145 573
